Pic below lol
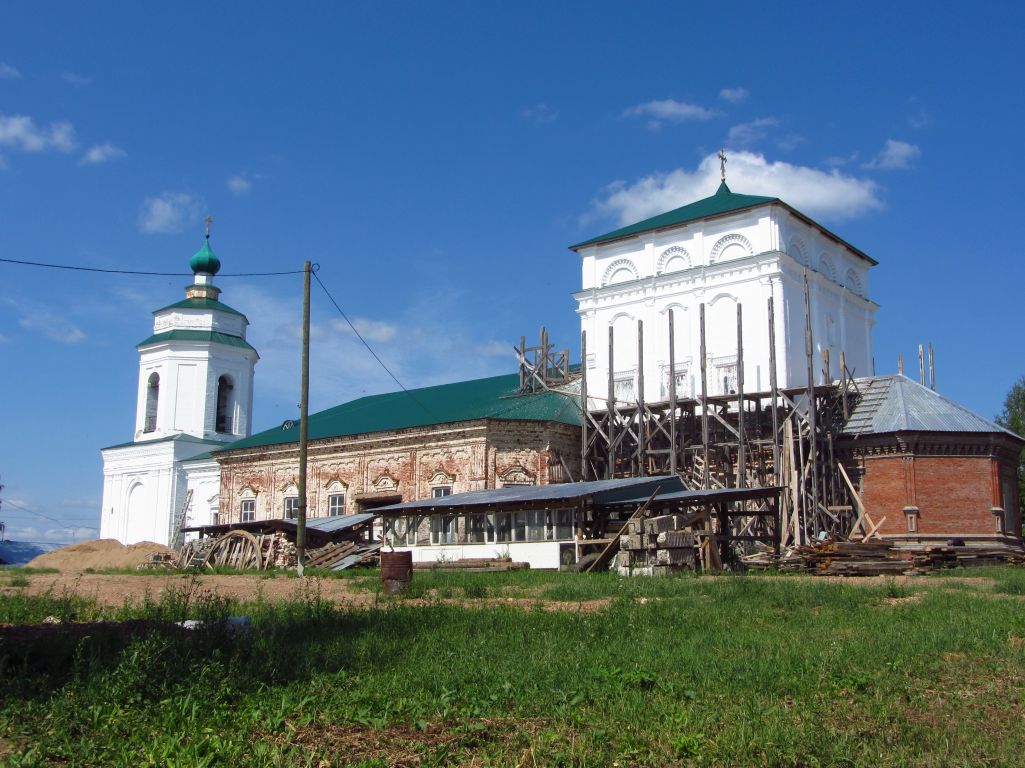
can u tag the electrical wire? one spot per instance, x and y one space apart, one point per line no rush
23 508
141 272
367 345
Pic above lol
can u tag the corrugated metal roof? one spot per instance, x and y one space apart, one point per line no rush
317 525
706 496
337 523
898 404
599 491
492 398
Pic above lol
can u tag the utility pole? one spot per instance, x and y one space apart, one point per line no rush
304 407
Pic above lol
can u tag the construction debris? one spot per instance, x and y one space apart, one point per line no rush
656 547
334 543
881 558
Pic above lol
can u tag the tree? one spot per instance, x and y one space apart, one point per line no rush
1013 418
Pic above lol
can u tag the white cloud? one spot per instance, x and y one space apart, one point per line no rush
734 95
425 344
101 153
746 134
539 113
371 330
167 213
495 349
7 72
239 184
51 325
826 194
21 132
790 141
670 110
75 79
895 155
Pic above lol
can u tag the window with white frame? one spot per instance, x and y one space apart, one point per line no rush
291 507
682 380
401 531
911 515
439 491
248 510
624 388
444 529
336 504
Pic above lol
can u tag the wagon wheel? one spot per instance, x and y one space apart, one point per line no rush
237 549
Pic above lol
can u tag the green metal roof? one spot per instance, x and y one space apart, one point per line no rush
181 437
492 398
723 201
197 303
179 335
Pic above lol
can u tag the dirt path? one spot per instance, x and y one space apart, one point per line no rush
115 590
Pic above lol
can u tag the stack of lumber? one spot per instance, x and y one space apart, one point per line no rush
339 555
472 564
935 557
877 558
655 546
845 558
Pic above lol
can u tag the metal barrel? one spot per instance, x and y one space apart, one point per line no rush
396 571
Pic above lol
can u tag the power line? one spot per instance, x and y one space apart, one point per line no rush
22 507
369 348
141 272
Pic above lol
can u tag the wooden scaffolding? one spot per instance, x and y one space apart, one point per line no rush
780 438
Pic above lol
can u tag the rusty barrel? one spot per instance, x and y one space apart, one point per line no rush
396 571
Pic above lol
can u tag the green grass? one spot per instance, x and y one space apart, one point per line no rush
709 671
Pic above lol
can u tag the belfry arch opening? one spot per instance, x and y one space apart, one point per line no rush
225 387
152 399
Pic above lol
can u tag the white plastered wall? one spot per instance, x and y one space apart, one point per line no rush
740 259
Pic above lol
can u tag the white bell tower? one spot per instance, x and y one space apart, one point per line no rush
194 394
196 370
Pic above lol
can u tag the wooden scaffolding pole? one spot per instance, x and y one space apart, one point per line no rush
704 400
741 452
642 421
584 471
610 404
672 395
812 406
776 469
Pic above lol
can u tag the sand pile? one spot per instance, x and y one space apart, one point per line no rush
98 554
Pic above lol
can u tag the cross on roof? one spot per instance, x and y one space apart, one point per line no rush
209 220
722 163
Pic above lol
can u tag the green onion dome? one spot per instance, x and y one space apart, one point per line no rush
205 261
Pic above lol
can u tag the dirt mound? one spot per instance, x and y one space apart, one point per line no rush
98 554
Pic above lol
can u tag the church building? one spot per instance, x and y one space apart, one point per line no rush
192 461
723 251
195 393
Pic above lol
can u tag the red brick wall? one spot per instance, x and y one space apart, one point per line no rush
953 494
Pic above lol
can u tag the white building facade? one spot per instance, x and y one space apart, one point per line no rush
195 392
724 251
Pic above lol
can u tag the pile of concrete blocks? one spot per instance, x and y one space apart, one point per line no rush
656 547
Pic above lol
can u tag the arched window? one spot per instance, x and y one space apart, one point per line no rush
152 396
224 388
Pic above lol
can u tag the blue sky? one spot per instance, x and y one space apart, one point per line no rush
437 159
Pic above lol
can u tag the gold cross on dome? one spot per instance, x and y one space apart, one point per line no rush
722 163
209 220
